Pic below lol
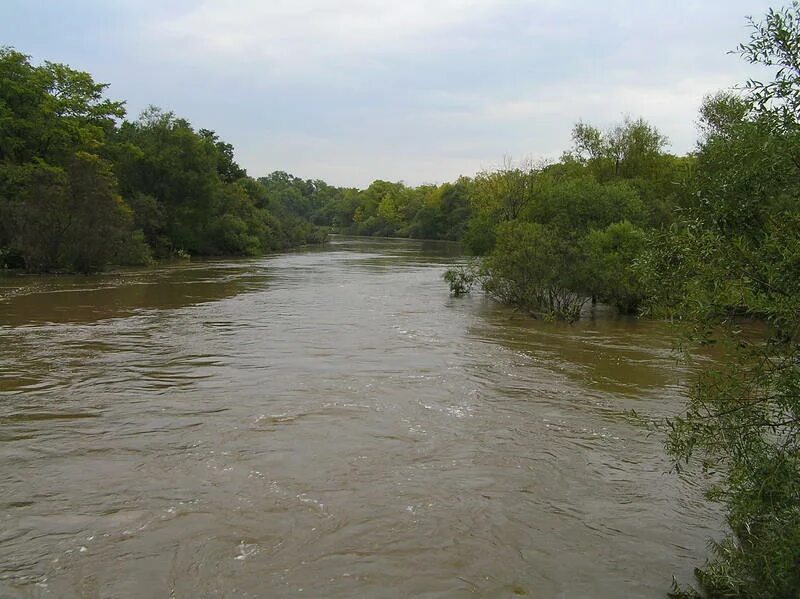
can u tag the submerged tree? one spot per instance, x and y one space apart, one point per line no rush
536 269
611 256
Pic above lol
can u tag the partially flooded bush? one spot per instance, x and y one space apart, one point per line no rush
535 269
461 279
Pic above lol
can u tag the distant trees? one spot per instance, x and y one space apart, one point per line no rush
384 208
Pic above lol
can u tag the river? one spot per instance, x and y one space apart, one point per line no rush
330 423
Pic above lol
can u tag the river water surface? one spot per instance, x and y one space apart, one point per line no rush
330 423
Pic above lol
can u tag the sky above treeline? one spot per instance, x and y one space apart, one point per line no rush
420 91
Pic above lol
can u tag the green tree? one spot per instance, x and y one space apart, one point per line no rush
611 256
161 156
584 235
502 195
580 203
227 169
537 270
73 219
733 255
51 111
631 149
58 197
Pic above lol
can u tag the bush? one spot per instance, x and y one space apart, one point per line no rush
611 255
535 269
461 279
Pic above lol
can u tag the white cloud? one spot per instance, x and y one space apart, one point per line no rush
604 101
284 34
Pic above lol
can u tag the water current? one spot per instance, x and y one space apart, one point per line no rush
329 422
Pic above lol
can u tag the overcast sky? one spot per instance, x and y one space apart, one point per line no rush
413 90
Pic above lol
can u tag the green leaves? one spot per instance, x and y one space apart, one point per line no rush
536 269
733 259
611 264
461 279
50 111
65 160
629 150
774 43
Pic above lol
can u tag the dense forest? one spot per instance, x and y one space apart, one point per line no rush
81 188
711 239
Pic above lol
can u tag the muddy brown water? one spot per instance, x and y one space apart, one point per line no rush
330 423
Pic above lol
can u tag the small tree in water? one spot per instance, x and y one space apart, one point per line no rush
532 268
461 279
535 269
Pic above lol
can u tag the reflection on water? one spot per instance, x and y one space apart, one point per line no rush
604 351
330 423
32 299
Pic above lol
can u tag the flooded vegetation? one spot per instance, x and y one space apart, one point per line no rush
332 421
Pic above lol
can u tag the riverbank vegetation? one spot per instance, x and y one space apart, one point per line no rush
81 188
555 236
711 240
734 253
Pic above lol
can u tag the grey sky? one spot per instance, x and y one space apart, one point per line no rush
420 91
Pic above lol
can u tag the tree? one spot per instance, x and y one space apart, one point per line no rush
227 169
73 219
578 204
733 255
535 269
58 196
611 256
50 111
774 43
630 149
162 157
503 194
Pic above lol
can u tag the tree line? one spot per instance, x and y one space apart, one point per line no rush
82 188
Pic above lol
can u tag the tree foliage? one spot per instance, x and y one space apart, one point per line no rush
80 190
557 235
733 256
537 270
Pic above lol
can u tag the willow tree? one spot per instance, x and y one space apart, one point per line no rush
735 256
